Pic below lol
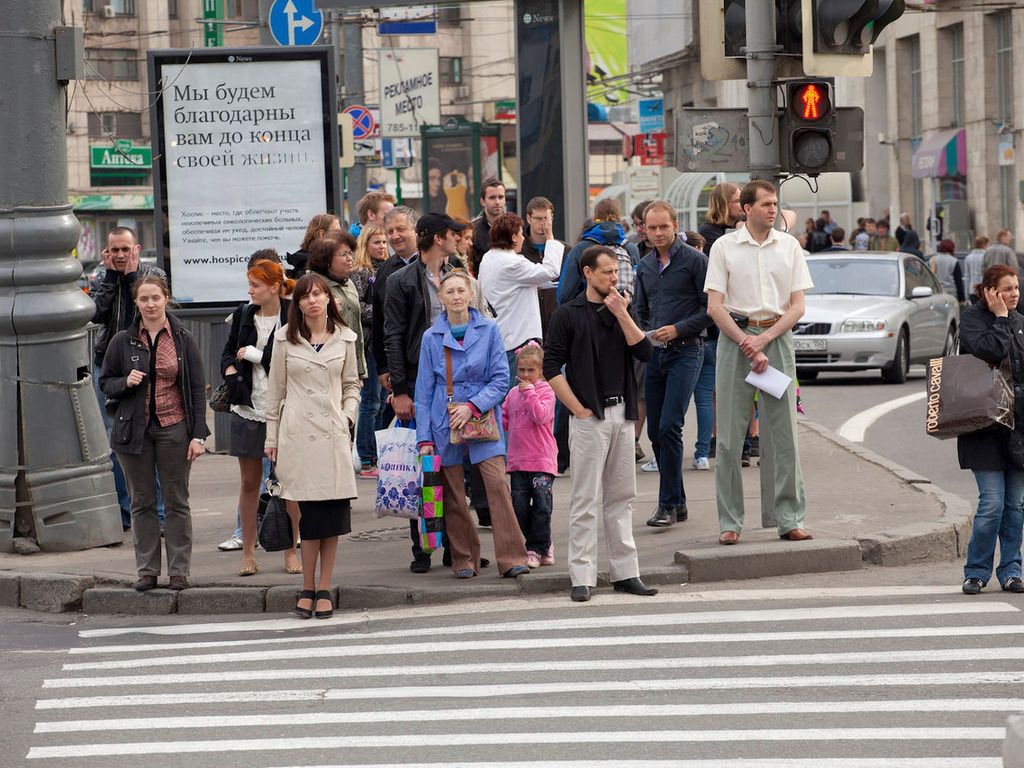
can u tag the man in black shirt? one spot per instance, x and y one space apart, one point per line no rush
597 339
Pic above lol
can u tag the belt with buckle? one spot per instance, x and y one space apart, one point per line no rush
608 402
764 323
679 343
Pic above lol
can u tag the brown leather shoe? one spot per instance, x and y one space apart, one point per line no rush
797 534
729 537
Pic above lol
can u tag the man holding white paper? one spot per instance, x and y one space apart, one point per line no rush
755 284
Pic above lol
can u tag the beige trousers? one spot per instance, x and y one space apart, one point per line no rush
603 486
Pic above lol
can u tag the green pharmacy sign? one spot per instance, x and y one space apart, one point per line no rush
121 157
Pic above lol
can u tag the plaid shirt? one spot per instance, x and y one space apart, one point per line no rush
627 273
162 378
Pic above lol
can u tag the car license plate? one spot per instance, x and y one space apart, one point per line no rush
809 345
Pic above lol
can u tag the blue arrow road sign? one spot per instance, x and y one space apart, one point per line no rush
295 22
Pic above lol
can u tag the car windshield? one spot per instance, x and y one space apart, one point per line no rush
856 277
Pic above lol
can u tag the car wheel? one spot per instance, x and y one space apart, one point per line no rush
804 375
952 344
896 371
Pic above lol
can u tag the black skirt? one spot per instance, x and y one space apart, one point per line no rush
322 519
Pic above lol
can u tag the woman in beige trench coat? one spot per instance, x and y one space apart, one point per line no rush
312 403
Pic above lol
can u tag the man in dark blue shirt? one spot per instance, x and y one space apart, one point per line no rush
672 308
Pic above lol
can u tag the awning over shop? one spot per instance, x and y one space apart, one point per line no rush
943 154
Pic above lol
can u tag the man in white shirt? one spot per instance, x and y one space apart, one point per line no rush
755 284
510 280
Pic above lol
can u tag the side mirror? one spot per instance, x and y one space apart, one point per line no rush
921 292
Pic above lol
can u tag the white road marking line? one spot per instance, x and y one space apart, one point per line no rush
600 622
531 603
854 428
520 643
560 665
301 719
530 689
786 762
471 739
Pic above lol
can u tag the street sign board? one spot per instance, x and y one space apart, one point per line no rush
650 148
652 115
213 33
414 20
712 140
410 94
505 109
295 22
396 153
363 124
122 156
245 153
346 146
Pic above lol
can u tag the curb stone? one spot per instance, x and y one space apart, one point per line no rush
10 588
53 592
114 600
215 600
1013 746
758 559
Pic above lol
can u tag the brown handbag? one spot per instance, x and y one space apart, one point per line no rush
479 429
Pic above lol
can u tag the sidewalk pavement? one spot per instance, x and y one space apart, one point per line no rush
861 509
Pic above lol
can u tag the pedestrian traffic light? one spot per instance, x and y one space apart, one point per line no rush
838 34
816 137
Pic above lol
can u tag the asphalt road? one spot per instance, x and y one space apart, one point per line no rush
873 669
834 398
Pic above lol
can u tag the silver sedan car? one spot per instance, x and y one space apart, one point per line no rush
873 310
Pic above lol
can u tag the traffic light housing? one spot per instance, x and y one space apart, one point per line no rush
838 34
815 136
723 35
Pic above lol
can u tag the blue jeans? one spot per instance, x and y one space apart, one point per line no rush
532 502
267 466
370 412
670 379
704 400
124 500
1000 516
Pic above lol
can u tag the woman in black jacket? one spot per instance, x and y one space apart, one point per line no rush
245 366
993 330
152 376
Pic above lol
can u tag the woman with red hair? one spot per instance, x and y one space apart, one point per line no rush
245 365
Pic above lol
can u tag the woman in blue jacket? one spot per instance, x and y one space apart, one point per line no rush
479 376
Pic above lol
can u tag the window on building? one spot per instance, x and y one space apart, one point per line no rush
172 9
111 64
248 10
958 74
449 16
914 72
1003 30
450 69
121 125
118 7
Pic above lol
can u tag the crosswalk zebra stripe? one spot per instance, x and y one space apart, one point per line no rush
301 719
582 665
393 741
589 623
535 602
788 762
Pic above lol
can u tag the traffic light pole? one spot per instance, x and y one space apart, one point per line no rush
762 105
56 487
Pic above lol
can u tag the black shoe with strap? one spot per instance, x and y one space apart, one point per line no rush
972 586
663 517
1013 584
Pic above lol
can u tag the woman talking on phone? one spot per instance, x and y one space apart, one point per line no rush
993 330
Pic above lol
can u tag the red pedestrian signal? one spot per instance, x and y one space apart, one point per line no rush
810 101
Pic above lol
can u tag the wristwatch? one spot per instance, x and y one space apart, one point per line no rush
200 440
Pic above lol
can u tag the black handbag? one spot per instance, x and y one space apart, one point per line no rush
220 400
965 394
273 525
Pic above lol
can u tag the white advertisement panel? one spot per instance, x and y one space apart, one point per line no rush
245 163
410 93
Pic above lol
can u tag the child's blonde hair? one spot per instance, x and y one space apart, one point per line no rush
531 351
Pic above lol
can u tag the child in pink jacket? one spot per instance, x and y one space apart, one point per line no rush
528 416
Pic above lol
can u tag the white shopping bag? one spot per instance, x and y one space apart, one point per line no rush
398 473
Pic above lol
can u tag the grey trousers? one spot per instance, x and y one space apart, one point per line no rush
163 449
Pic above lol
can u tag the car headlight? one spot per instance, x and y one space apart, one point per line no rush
856 326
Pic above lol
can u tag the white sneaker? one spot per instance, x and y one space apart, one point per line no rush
701 463
650 466
230 544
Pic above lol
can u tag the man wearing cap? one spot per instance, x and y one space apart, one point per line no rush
411 307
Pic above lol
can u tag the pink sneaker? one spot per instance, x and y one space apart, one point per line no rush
549 556
369 472
532 559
